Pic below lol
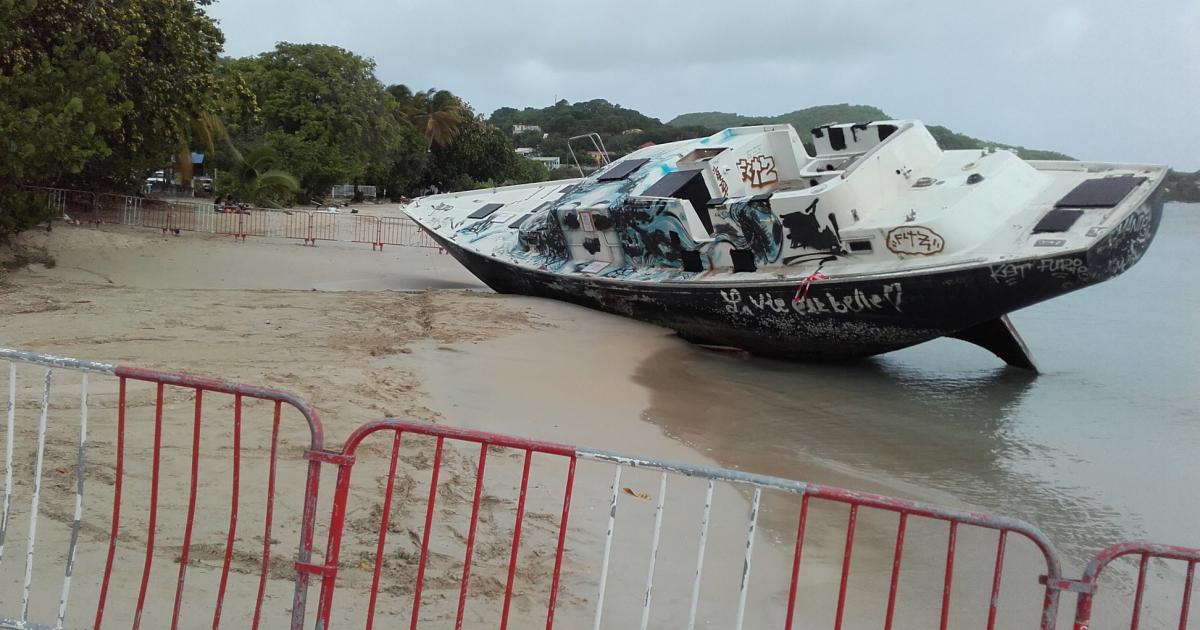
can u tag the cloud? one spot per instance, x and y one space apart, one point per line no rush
1086 79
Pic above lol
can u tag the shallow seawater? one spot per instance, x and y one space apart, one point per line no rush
1102 446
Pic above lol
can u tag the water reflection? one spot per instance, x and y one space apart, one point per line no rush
1098 449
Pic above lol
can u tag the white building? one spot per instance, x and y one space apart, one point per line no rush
550 162
517 129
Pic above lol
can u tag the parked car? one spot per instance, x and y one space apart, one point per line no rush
203 183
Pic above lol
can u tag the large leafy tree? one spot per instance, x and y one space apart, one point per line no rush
479 153
324 111
96 94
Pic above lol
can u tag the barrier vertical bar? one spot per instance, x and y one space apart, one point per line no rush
658 512
841 605
80 461
516 544
1141 591
37 492
708 495
8 455
383 529
949 576
996 576
233 509
141 601
562 541
191 509
608 538
741 613
116 513
791 607
1187 595
433 481
266 559
897 558
466 574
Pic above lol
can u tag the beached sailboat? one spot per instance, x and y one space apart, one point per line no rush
878 242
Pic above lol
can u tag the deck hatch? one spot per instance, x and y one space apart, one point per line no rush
621 170
1100 193
521 219
485 211
1057 221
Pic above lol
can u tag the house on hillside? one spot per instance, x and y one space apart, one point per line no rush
524 151
519 129
550 162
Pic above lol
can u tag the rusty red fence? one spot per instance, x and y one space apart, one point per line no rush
309 227
174 217
1145 553
185 489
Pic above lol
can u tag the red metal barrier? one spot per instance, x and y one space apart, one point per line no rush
345 461
241 223
1145 552
403 231
908 513
144 403
368 229
309 227
170 412
168 217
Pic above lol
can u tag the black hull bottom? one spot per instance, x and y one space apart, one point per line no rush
844 319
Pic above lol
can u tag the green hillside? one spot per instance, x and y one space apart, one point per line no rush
805 119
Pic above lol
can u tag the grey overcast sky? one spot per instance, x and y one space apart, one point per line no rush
1098 79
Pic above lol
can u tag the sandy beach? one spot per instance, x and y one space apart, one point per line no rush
407 333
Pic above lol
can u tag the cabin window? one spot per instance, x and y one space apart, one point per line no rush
860 247
691 260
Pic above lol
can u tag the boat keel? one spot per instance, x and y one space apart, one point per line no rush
1000 337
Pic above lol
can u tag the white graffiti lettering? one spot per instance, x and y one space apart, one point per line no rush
825 302
857 301
1009 273
1065 268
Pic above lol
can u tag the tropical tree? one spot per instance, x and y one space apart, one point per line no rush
323 110
97 94
257 179
436 114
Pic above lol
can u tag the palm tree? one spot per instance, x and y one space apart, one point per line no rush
437 114
206 130
256 180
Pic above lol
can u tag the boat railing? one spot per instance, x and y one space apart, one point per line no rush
597 146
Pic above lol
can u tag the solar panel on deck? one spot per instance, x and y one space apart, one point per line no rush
1100 193
621 170
671 183
1057 221
485 211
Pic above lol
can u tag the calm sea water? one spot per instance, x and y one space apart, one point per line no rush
1103 445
